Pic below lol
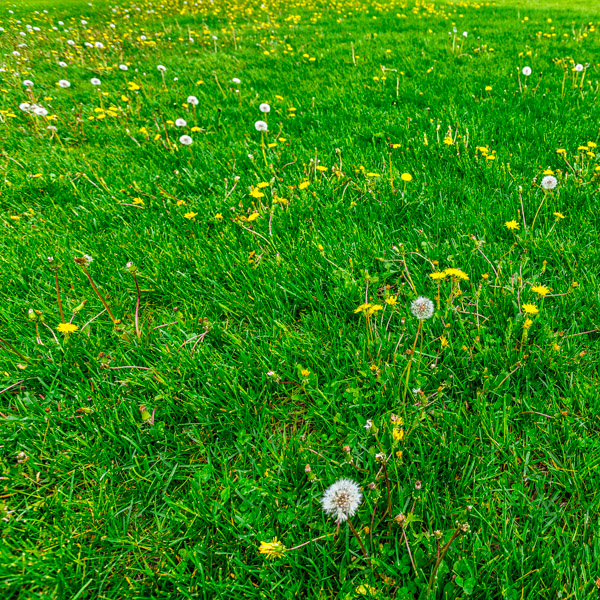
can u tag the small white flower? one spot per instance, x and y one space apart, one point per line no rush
180 122
83 22
63 83
579 68
549 182
526 71
16 53
192 100
28 83
236 81
123 67
186 140
342 499
422 308
261 126
265 108
95 81
161 68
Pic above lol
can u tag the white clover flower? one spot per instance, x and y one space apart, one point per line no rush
63 83
180 122
186 140
123 67
161 68
62 64
579 68
261 126
28 83
422 308
265 108
526 71
95 81
342 499
192 100
236 81
549 182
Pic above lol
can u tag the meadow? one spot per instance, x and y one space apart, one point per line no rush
299 299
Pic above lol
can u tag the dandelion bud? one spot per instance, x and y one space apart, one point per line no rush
346 449
307 469
22 458
438 534
31 314
380 457
372 486
400 520
418 485
370 426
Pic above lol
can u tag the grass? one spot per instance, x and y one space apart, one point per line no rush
150 458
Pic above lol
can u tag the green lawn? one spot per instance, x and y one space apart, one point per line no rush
148 452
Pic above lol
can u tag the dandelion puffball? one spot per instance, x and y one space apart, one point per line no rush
180 122
261 126
265 108
579 68
62 64
63 83
40 111
422 308
123 67
236 81
25 106
161 68
526 71
192 100
186 140
28 83
549 182
342 499
95 81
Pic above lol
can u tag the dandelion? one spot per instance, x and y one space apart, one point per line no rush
452 272
123 67
273 549
186 140
40 111
264 108
190 215
180 122
192 100
512 225
438 275
406 177
161 68
25 106
67 328
342 499
579 68
261 126
549 182
95 81
558 216
422 308
530 309
236 81
526 71
63 83
28 83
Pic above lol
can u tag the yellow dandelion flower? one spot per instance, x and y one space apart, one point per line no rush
438 275
444 342
190 215
398 434
457 273
592 144
488 88
392 300
67 328
374 308
253 217
559 215
362 307
530 309
373 175
512 225
548 172
527 323
272 549
305 373
406 177
218 217
448 141
303 185
262 184
561 151
541 290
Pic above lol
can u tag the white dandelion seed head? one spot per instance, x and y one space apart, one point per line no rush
62 63
95 81
70 42
579 68
161 68
549 182
422 308
342 499
465 33
88 45
40 111
25 106
180 122
526 71
99 44
88 259
123 67
265 108
28 83
236 81
186 140
261 126
63 83
192 100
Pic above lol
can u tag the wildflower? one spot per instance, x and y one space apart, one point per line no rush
22 458
305 373
530 309
95 81
40 111
488 88
261 126
236 81
438 275
422 308
527 71
342 499
28 83
67 328
452 272
527 323
406 177
592 144
579 68
192 100
161 68
561 151
123 67
264 108
25 106
63 83
558 216
190 215
273 549
549 182
448 140
363 307
303 185
512 225
62 64
398 434
392 300
541 290
180 123
186 140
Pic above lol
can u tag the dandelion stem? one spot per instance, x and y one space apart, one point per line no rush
440 559
137 308
362 546
101 298
539 208
412 562
311 541
60 307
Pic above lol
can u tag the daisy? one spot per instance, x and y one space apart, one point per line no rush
422 308
342 499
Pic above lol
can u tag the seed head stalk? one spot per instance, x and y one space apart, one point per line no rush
100 297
